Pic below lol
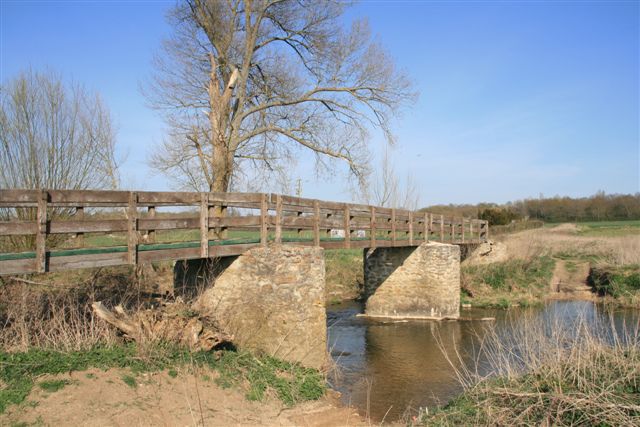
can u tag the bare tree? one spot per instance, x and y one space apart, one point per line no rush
53 136
386 189
251 82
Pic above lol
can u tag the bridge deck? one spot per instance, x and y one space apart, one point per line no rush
70 229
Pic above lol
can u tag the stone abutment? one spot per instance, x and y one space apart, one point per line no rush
413 282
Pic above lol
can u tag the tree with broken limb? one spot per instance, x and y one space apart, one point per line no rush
247 85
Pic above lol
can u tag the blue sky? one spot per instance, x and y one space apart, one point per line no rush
516 98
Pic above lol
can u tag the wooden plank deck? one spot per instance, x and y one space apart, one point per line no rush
191 226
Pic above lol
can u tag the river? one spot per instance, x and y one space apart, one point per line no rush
388 369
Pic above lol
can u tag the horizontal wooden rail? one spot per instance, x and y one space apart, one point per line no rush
54 230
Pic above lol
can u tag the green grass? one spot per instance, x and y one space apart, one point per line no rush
52 386
290 382
130 380
609 228
344 274
618 282
515 281
516 272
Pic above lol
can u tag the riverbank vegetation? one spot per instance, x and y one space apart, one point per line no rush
344 274
538 263
503 284
547 374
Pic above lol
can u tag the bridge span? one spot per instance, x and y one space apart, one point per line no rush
60 230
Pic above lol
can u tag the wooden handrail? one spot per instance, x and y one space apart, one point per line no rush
254 219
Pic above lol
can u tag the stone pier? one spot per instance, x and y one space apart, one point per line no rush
413 282
272 300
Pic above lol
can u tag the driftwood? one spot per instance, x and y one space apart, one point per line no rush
174 322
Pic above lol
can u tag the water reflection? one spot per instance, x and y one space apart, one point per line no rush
389 367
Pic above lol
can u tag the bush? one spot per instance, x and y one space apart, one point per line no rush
498 216
615 281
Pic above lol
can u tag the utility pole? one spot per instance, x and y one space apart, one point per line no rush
299 188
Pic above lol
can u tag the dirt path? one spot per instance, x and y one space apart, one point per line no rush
102 398
569 281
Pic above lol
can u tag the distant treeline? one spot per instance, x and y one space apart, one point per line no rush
599 207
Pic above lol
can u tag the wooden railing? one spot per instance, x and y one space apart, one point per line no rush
103 228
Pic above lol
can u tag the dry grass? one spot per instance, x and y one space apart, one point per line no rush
564 242
54 311
537 373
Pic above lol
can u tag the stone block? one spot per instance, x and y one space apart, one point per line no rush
272 300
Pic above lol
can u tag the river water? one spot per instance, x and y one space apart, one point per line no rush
388 369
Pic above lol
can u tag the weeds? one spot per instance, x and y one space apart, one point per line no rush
52 386
621 283
130 381
344 274
506 283
50 313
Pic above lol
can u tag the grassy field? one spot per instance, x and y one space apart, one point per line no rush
609 228
603 228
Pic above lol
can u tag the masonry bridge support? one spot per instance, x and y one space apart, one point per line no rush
272 298
420 282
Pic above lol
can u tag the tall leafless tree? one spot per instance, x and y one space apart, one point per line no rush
53 136
252 82
386 189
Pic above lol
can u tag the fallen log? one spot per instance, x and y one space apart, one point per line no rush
174 322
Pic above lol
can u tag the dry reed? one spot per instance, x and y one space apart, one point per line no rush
46 312
561 372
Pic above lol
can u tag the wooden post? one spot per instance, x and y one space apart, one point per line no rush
151 211
462 227
316 223
393 226
372 227
347 227
430 227
486 231
41 233
299 230
264 210
441 228
79 215
204 225
278 218
214 212
327 231
425 227
410 228
471 230
452 230
132 229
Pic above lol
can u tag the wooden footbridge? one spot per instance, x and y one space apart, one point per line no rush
71 229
